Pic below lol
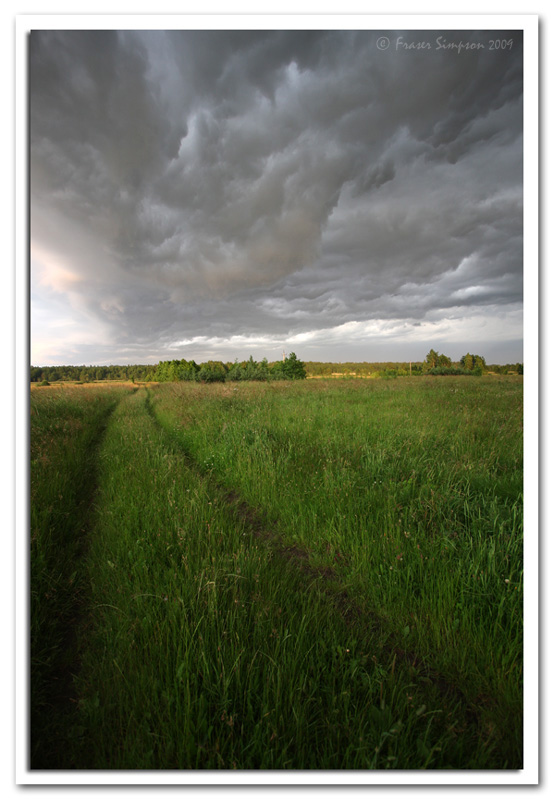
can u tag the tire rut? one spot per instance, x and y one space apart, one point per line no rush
328 582
61 700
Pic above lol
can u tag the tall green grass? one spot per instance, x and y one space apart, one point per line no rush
302 576
210 649
411 491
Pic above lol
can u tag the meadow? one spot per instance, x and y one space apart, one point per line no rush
295 575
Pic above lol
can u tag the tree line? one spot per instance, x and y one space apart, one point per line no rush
469 364
85 374
434 364
291 368
438 364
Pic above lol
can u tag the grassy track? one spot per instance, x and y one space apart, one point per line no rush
410 491
66 428
305 576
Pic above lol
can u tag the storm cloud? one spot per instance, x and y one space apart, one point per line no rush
213 193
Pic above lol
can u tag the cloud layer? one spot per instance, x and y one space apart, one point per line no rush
216 193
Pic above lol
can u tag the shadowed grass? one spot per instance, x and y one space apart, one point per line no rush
66 427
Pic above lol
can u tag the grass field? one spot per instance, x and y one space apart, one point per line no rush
307 575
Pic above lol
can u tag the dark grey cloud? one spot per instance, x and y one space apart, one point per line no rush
230 189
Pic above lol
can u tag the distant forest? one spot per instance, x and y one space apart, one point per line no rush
290 368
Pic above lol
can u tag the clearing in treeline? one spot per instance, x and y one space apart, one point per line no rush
277 575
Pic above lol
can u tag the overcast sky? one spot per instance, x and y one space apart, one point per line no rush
217 194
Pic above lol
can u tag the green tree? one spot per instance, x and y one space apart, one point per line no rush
431 361
186 370
473 363
235 372
290 369
212 372
479 363
295 368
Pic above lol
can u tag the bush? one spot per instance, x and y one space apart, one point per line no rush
477 371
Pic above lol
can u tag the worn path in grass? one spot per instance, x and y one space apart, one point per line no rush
67 433
370 624
214 645
215 638
410 492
